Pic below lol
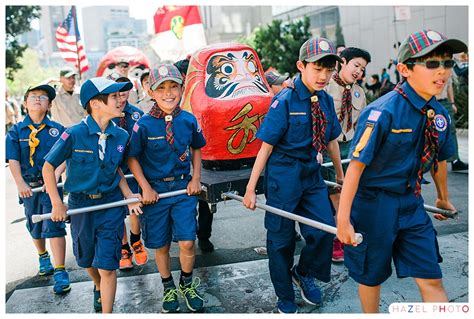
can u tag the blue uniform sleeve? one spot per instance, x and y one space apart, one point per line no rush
275 123
136 144
447 149
61 150
198 140
335 126
12 145
371 129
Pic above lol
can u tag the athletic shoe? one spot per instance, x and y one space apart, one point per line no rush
97 301
286 307
45 266
61 281
310 292
140 254
193 300
337 251
126 260
170 300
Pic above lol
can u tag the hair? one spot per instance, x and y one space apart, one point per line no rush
328 62
442 50
123 79
340 46
101 97
352 53
376 77
143 76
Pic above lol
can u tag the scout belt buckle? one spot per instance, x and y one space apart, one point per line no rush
36 184
172 178
95 196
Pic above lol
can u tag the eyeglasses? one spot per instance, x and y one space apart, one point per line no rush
434 64
42 98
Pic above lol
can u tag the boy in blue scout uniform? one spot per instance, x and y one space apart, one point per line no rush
300 124
399 137
130 115
27 143
164 144
93 150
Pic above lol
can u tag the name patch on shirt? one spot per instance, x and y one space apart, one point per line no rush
153 138
84 151
374 116
440 122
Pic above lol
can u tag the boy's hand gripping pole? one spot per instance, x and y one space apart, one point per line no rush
300 219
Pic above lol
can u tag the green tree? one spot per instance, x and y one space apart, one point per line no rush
278 44
339 35
17 22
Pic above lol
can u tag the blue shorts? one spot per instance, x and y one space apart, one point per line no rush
97 236
394 226
172 218
40 204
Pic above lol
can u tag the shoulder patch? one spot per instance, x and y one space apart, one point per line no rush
440 122
274 104
64 136
374 116
136 127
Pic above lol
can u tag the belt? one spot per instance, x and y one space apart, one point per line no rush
36 183
95 196
172 178
83 196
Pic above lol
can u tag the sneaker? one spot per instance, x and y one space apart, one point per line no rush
459 165
205 245
309 290
141 256
337 251
126 260
286 307
45 266
61 282
97 301
170 300
193 300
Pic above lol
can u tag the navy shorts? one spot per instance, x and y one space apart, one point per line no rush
172 218
97 236
394 226
40 204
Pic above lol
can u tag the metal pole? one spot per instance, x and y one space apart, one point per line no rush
39 218
300 219
428 208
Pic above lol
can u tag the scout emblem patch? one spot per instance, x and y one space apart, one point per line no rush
356 94
53 132
120 148
135 116
440 122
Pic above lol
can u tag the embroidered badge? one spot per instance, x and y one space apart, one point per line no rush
136 127
274 104
433 35
440 122
120 148
357 94
135 116
64 136
163 71
374 116
324 45
53 132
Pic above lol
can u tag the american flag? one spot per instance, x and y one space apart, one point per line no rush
69 42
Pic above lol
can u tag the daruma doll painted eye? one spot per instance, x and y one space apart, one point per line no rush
227 92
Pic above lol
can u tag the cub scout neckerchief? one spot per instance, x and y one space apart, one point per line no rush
346 107
33 141
102 143
123 121
160 114
430 146
319 124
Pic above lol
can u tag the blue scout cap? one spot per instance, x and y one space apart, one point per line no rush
317 48
50 91
96 86
423 42
164 72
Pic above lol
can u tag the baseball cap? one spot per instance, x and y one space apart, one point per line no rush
96 86
114 76
164 72
423 42
273 78
50 91
67 72
317 48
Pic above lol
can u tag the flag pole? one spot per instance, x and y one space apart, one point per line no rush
76 29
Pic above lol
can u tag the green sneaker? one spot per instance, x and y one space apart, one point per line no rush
170 300
193 300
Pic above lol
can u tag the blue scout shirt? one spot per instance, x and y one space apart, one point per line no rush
157 158
132 115
390 136
78 145
17 147
288 123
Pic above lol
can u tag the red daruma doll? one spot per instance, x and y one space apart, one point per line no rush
227 92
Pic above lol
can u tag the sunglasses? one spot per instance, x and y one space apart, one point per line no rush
433 64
